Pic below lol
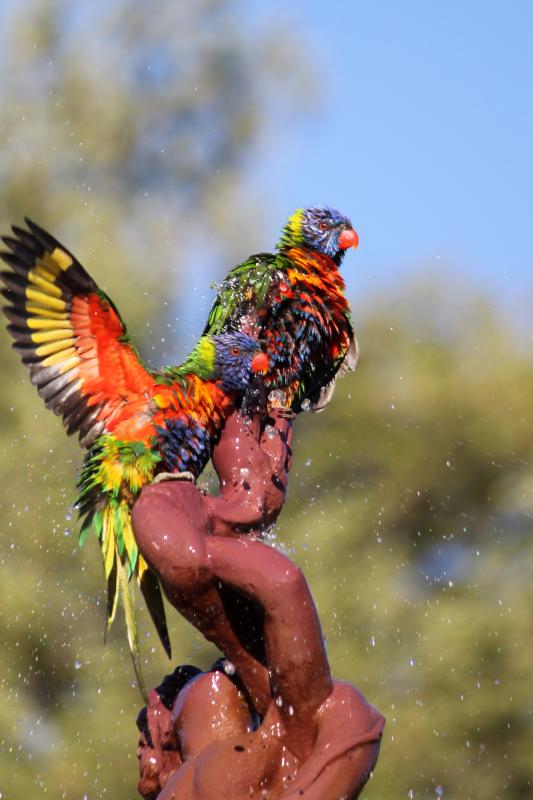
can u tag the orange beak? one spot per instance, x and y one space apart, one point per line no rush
348 238
260 363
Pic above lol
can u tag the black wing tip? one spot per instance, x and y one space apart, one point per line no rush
10 296
10 241
17 230
27 245
44 238
151 591
32 226
34 236
20 232
16 316
25 241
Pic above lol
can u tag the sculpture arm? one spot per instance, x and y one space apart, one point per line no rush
298 665
252 464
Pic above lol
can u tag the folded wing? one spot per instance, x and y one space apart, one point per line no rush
243 292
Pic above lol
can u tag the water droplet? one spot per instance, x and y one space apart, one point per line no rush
308 462
269 535
412 662
229 667
439 791
277 398
279 701
77 664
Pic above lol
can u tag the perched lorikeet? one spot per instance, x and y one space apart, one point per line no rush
138 425
293 300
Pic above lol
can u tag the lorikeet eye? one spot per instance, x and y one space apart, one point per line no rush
235 351
323 226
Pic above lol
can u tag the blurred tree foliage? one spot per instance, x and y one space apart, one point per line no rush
126 128
411 504
411 498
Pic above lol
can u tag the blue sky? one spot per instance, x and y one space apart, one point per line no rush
422 134
424 137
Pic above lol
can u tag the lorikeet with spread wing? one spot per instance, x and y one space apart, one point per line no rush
138 425
293 300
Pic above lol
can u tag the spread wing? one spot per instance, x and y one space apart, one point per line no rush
242 293
85 367
69 334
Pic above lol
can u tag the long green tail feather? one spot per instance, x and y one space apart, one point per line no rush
126 590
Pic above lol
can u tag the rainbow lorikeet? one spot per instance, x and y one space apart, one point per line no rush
138 425
293 301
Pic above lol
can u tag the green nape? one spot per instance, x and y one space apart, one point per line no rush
200 361
291 233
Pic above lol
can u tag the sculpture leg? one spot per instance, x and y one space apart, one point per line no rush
223 758
346 748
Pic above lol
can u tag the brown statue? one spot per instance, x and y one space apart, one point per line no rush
273 723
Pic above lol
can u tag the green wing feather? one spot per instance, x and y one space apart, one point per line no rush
246 285
111 479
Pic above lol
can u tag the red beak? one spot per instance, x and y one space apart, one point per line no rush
260 363
348 238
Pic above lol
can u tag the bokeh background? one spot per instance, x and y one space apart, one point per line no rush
164 142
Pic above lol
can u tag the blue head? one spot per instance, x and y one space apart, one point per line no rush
323 230
237 357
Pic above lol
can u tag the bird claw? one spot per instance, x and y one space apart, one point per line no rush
284 413
280 402
174 476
